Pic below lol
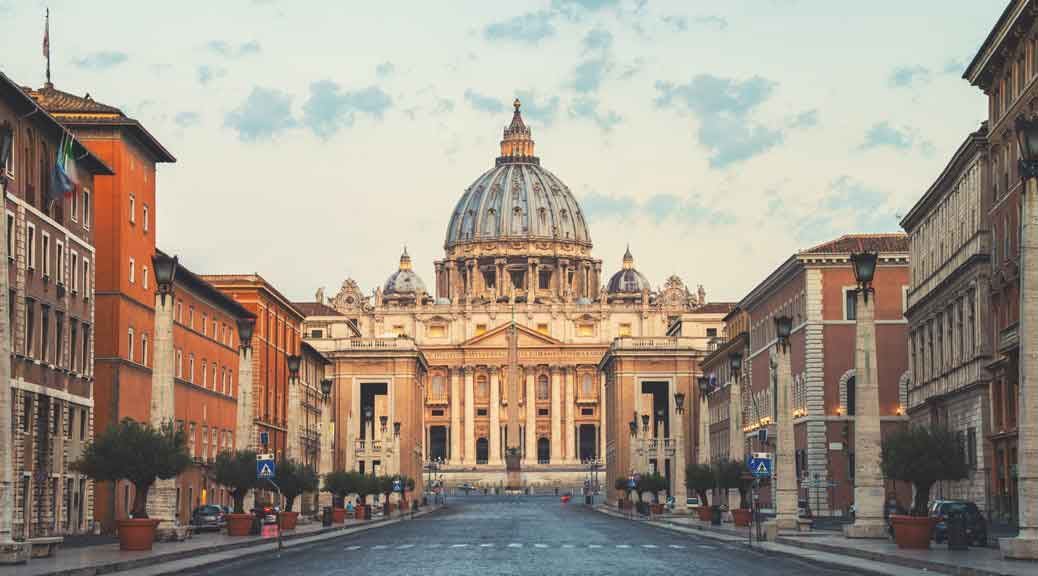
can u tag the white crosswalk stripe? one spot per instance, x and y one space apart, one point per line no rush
404 546
487 545
649 546
459 545
379 547
570 545
540 545
623 545
594 545
677 546
353 547
515 545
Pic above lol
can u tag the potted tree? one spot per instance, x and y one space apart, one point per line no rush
657 483
293 479
922 456
340 484
236 469
700 478
733 474
364 486
140 454
385 488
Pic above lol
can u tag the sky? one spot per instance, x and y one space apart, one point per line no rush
314 140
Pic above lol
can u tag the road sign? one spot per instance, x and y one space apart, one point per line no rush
397 487
265 466
760 467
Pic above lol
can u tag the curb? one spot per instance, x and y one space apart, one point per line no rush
730 539
262 546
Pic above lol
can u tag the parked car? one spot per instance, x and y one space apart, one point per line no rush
208 517
975 524
267 513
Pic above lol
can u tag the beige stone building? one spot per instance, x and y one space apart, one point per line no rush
500 370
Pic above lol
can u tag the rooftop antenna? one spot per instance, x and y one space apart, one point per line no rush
46 45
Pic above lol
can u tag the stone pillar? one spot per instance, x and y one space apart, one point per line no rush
571 402
499 277
704 430
162 497
324 454
556 415
785 450
293 446
470 419
678 490
602 420
531 279
494 456
11 552
1025 545
868 478
455 431
530 457
736 447
244 429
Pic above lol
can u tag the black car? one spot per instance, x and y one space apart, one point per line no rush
208 517
975 524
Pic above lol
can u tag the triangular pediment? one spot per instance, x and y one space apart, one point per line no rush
498 338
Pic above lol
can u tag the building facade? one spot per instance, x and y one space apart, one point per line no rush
1004 69
497 371
816 288
48 320
124 218
948 311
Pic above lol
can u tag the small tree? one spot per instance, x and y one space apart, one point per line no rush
236 469
700 478
652 483
385 486
339 483
294 479
364 485
136 452
923 456
733 474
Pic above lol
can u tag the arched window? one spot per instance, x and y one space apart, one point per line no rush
437 386
542 387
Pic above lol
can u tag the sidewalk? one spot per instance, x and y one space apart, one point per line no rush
201 549
872 556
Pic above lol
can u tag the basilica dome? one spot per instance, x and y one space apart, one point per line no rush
517 199
628 280
404 281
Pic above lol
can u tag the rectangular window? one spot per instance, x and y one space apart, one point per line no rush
45 252
711 332
191 317
180 364
543 328
144 216
86 208
73 344
144 276
82 424
87 280
320 333
44 333
850 303
971 447
59 338
73 266
205 324
74 206
481 411
481 329
59 263
191 368
133 270
205 375
30 327
544 279
133 209
436 331
85 363
587 411
10 236
625 330
144 349
585 329
542 411
130 344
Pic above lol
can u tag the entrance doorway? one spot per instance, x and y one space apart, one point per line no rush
438 442
482 450
588 442
543 451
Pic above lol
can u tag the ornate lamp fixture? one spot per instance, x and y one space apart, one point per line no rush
382 420
396 429
864 270
293 365
679 402
326 386
245 327
783 328
165 272
645 422
1026 128
735 362
634 427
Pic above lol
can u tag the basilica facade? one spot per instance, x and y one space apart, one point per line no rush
498 372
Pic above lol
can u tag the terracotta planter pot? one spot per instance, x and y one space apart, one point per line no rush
338 515
704 513
137 533
657 508
742 516
288 520
912 532
239 524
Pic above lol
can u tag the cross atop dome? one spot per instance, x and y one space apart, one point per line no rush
517 141
405 260
628 259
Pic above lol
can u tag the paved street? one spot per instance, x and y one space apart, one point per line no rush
486 535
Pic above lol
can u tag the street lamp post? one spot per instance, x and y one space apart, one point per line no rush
245 431
868 479
735 423
294 406
162 496
679 492
785 454
1025 545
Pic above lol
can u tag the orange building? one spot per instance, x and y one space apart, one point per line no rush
124 237
276 337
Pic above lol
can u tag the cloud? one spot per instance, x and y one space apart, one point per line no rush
806 119
531 27
849 206
264 114
658 208
543 111
587 108
484 103
329 108
954 67
907 76
102 60
588 74
574 7
597 40
186 119
231 51
679 23
883 135
384 70
712 20
207 74
722 106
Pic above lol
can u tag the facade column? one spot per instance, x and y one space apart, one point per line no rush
470 419
704 429
499 280
571 402
11 552
494 457
678 491
294 416
1025 545
324 455
455 430
785 464
602 418
162 498
531 279
736 446
530 457
450 280
556 415
868 478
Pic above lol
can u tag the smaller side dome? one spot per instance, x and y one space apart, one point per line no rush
404 282
628 280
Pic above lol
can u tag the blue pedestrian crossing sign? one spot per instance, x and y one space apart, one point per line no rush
265 466
397 486
760 466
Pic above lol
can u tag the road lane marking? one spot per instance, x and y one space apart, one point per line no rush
540 545
677 546
379 547
459 545
515 545
649 546
623 545
569 546
594 545
404 546
353 547
487 545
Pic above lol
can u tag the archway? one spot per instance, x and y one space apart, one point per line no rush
482 450
543 451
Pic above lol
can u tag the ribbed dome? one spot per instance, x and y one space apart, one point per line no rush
404 281
517 199
628 280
